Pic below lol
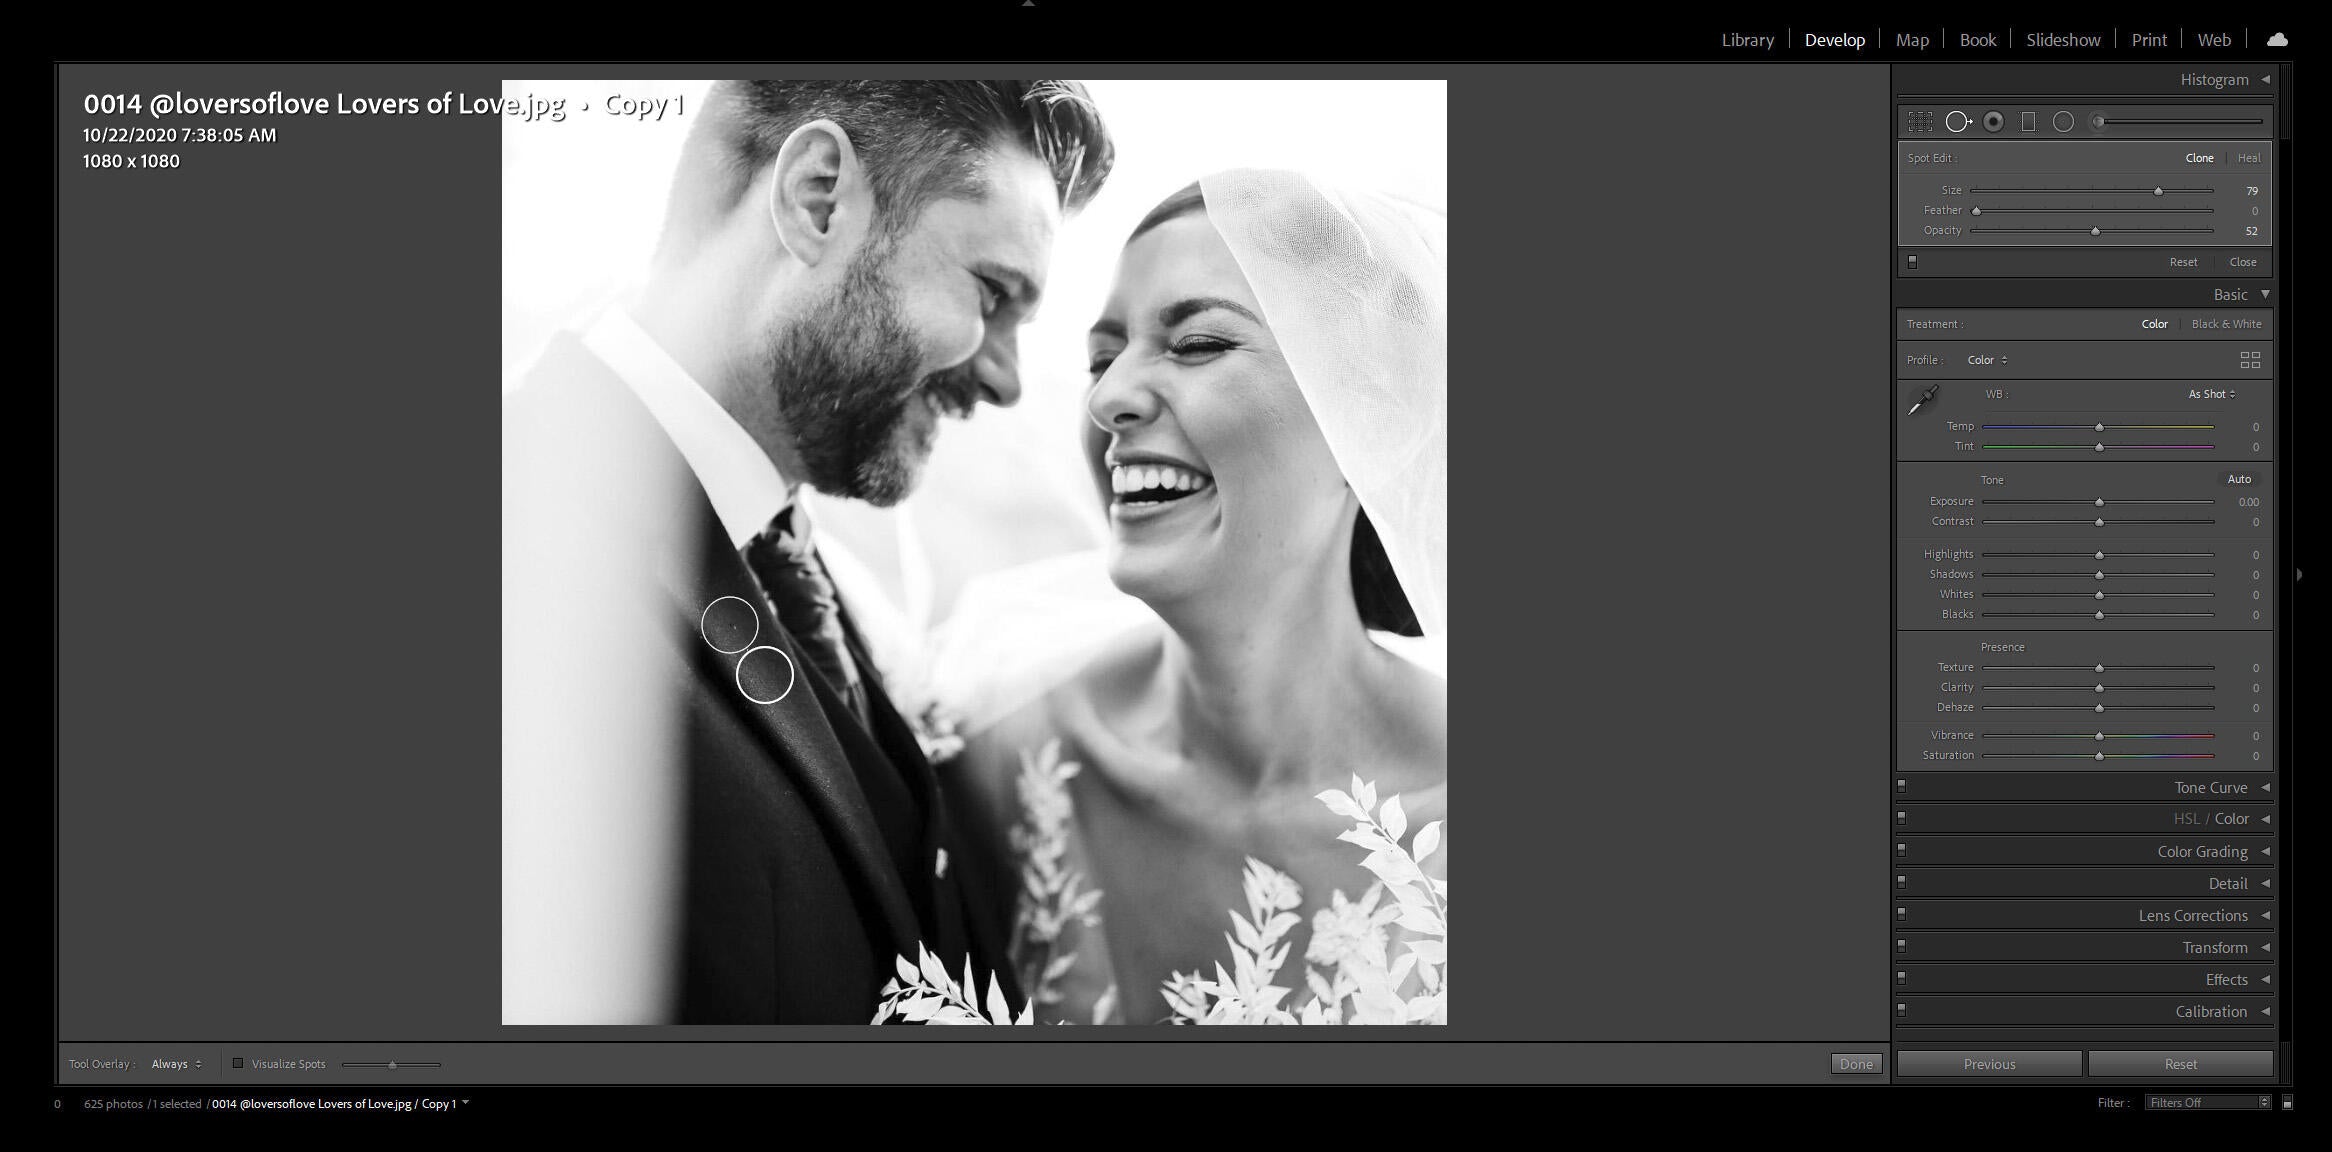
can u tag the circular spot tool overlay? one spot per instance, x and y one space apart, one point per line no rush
759 677
729 625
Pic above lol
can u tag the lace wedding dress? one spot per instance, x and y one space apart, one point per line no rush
1378 959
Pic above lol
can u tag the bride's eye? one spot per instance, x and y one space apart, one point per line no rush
1100 364
1201 346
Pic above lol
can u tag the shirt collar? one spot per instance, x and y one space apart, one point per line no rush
737 476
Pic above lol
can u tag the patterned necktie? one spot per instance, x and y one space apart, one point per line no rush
803 598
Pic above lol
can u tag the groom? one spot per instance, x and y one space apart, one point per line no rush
843 264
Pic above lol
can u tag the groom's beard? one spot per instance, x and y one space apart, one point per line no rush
846 382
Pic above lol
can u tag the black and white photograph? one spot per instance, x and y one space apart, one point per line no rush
975 552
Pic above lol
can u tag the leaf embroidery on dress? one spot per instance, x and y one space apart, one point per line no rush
1350 969
1052 896
1354 970
925 993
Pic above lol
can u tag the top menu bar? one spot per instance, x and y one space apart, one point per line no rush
1060 31
2058 41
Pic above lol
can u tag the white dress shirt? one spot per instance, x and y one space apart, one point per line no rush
737 476
747 491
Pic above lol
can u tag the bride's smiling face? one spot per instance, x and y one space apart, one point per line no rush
1219 478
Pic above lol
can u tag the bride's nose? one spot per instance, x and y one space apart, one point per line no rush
1121 399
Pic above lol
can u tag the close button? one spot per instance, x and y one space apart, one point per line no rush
1857 1063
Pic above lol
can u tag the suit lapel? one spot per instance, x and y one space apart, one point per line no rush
796 730
890 730
804 742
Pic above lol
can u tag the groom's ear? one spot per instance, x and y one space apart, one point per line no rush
818 196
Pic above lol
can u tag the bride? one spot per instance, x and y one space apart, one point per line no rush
1267 412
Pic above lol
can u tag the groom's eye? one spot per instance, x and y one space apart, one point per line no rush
994 294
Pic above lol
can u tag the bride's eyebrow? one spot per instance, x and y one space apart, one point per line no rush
1107 327
1182 310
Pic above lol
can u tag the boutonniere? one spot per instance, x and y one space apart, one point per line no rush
938 731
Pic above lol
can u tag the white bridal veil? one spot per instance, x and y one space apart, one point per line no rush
1355 286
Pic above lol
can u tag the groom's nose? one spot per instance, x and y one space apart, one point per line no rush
996 366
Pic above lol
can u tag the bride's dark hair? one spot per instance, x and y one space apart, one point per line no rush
1383 606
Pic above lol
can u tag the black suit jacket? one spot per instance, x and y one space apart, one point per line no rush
795 898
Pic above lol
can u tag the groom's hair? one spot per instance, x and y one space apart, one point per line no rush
919 141
1383 606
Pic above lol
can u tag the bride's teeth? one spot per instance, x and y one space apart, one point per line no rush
1129 479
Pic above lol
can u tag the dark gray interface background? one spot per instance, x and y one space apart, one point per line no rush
278 547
